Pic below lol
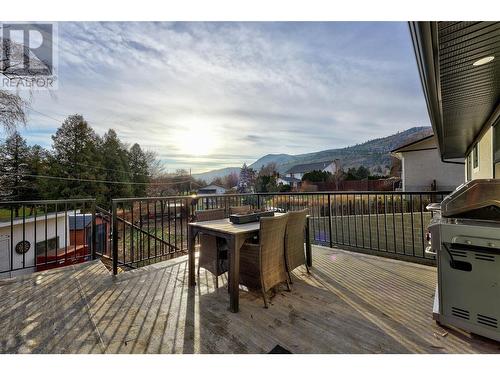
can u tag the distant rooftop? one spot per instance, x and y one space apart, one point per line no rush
412 143
290 179
6 222
304 168
210 189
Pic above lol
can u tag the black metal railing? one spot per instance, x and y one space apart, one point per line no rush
393 224
148 230
44 234
38 235
385 223
103 232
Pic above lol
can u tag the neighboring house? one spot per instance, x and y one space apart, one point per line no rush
292 181
464 107
294 175
422 167
35 242
51 241
211 189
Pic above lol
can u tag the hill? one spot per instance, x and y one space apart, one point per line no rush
373 154
211 175
273 158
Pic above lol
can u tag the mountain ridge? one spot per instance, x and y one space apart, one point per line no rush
373 154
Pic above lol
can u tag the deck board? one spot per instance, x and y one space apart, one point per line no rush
350 303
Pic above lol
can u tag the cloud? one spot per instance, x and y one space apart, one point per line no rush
250 88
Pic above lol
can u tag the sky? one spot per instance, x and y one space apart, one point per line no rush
211 95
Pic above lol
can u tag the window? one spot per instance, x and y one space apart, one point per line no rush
52 244
468 163
475 156
496 151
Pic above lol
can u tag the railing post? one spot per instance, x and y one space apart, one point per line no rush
191 204
94 228
114 238
330 219
308 241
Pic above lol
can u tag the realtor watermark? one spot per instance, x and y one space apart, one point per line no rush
28 56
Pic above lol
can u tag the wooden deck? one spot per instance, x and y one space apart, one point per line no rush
351 303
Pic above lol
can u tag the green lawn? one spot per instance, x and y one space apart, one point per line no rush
5 213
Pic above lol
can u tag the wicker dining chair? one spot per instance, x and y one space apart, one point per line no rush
240 209
213 250
294 241
262 265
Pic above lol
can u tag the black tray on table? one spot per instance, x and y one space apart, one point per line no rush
249 218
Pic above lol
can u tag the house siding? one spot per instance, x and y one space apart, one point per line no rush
211 189
29 235
331 167
485 161
421 168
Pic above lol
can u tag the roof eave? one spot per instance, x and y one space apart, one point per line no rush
425 47
396 150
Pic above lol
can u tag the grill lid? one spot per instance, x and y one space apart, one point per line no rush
476 199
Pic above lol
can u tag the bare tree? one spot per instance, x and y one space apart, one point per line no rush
12 106
12 58
12 110
155 165
270 169
231 180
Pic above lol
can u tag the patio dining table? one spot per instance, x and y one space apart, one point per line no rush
235 235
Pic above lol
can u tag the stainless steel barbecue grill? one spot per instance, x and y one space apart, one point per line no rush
465 238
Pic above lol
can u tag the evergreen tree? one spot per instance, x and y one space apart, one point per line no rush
317 176
38 159
75 150
266 180
14 158
115 167
357 174
139 170
81 164
362 172
247 179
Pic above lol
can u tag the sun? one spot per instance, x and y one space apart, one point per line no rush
196 139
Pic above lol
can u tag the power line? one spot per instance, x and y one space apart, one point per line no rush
84 165
103 168
81 164
99 181
45 115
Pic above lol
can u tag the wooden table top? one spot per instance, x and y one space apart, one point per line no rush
225 226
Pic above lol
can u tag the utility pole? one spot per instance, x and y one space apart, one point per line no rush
190 180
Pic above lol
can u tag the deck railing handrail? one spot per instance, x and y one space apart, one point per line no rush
388 223
364 192
147 233
48 201
150 229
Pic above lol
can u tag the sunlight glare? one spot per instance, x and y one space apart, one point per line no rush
197 139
